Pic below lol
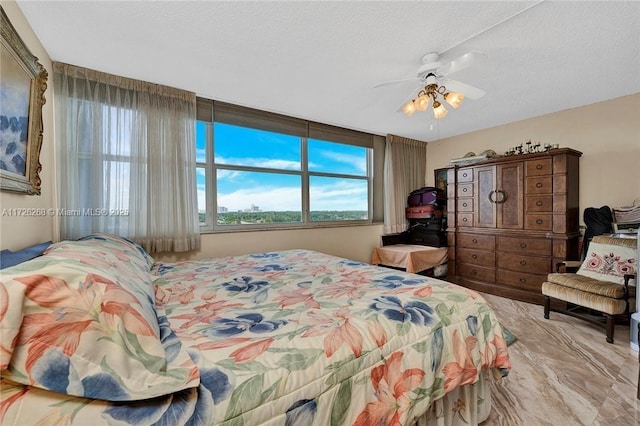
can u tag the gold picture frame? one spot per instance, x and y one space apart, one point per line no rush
23 81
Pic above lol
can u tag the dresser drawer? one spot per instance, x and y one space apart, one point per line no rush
538 222
465 175
539 167
524 263
476 272
515 245
483 242
465 190
465 204
539 204
465 219
520 280
539 185
477 257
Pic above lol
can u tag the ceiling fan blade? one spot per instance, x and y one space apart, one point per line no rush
461 62
467 90
392 82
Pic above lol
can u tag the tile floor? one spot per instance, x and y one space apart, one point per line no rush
564 373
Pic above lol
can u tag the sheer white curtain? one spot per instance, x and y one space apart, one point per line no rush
126 159
405 164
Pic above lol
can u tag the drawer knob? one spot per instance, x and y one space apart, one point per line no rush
474 256
539 185
464 204
464 175
539 167
523 262
474 272
464 189
539 203
523 245
474 241
464 219
522 280
539 221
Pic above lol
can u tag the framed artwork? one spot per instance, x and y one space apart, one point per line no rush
440 177
23 81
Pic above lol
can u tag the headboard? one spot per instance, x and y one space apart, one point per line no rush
9 258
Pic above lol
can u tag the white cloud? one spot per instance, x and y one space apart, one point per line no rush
342 195
229 175
202 198
359 161
270 163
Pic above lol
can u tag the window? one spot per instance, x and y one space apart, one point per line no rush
127 166
260 170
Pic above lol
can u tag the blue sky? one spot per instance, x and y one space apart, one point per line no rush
237 190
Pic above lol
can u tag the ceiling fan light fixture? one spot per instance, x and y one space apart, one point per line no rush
433 76
421 102
409 108
439 110
454 99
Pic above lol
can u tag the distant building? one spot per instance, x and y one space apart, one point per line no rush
222 209
252 209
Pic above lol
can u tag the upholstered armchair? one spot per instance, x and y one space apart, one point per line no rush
604 283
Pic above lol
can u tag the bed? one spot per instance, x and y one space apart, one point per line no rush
94 332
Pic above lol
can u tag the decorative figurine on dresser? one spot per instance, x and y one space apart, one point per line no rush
510 219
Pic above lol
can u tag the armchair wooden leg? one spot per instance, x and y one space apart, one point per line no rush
610 328
547 305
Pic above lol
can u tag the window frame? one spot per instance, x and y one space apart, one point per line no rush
207 116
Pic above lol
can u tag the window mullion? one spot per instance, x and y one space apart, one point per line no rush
306 211
370 170
338 175
212 213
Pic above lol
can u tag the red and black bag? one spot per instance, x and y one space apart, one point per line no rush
423 212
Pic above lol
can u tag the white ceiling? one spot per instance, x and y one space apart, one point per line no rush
320 60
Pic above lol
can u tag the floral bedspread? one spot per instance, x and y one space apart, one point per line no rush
298 338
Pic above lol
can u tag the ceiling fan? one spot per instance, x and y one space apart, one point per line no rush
434 83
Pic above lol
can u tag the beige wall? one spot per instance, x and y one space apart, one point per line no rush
21 231
352 242
607 133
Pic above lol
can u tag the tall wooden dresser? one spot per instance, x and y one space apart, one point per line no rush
511 219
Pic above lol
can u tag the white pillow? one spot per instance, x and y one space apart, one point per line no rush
607 262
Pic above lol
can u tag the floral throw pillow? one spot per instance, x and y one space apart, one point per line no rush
608 262
81 320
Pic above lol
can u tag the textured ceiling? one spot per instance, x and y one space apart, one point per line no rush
320 60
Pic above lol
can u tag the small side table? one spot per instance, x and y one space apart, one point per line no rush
412 258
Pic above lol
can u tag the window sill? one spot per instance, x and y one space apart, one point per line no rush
290 228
